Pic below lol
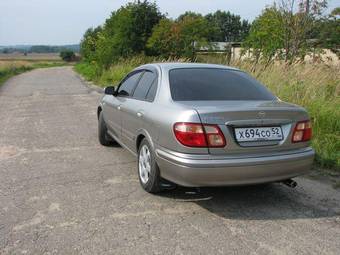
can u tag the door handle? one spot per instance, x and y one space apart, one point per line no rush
139 114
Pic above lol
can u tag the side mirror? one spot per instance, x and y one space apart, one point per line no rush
110 91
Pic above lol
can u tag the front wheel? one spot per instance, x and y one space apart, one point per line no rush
148 171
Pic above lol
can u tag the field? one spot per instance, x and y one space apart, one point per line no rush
13 64
314 86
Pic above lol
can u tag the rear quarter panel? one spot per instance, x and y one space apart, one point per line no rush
164 113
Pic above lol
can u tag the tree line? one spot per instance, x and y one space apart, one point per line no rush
40 48
140 28
288 30
291 30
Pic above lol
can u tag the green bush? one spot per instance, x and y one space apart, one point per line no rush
67 55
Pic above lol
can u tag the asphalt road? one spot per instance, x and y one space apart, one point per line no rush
63 193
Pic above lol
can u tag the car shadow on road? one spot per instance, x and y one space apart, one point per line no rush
260 202
114 145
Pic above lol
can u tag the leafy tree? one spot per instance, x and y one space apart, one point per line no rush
164 39
266 36
179 38
281 31
189 14
336 12
227 27
327 31
67 55
126 32
88 44
298 25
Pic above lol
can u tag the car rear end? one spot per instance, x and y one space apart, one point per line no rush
237 133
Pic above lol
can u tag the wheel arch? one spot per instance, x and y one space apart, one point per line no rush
140 136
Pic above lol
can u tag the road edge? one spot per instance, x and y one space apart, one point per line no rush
89 84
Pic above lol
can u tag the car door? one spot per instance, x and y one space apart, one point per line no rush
112 104
135 110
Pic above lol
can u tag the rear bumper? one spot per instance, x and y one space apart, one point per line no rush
204 170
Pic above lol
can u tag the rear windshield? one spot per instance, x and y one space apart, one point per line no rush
192 84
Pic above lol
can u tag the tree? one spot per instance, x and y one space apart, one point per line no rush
266 37
88 44
282 32
327 31
126 32
189 14
298 25
179 38
164 39
227 27
67 55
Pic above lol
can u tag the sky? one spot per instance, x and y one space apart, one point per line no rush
57 22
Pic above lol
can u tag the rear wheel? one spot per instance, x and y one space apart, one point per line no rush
148 171
103 136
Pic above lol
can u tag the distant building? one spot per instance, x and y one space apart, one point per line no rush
218 47
231 49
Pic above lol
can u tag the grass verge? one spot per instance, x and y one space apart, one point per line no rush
315 87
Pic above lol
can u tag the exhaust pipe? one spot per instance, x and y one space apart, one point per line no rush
290 183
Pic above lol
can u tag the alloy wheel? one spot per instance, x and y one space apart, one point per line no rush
144 165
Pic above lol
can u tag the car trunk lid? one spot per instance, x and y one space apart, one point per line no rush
230 115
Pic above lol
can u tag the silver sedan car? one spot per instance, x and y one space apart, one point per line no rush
204 125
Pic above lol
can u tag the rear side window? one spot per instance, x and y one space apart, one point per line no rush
144 85
128 85
192 84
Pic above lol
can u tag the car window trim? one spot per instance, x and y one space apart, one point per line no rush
127 77
134 89
155 79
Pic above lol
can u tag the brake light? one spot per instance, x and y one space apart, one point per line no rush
302 132
198 135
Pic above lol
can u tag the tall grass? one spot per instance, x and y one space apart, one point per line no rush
316 87
9 68
114 74
117 71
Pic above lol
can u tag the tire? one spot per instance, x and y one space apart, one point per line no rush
103 136
148 170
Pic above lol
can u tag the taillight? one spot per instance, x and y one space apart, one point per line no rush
302 132
198 135
214 136
190 134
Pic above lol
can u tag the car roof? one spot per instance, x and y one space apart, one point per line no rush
166 66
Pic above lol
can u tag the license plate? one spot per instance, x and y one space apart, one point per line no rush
258 134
